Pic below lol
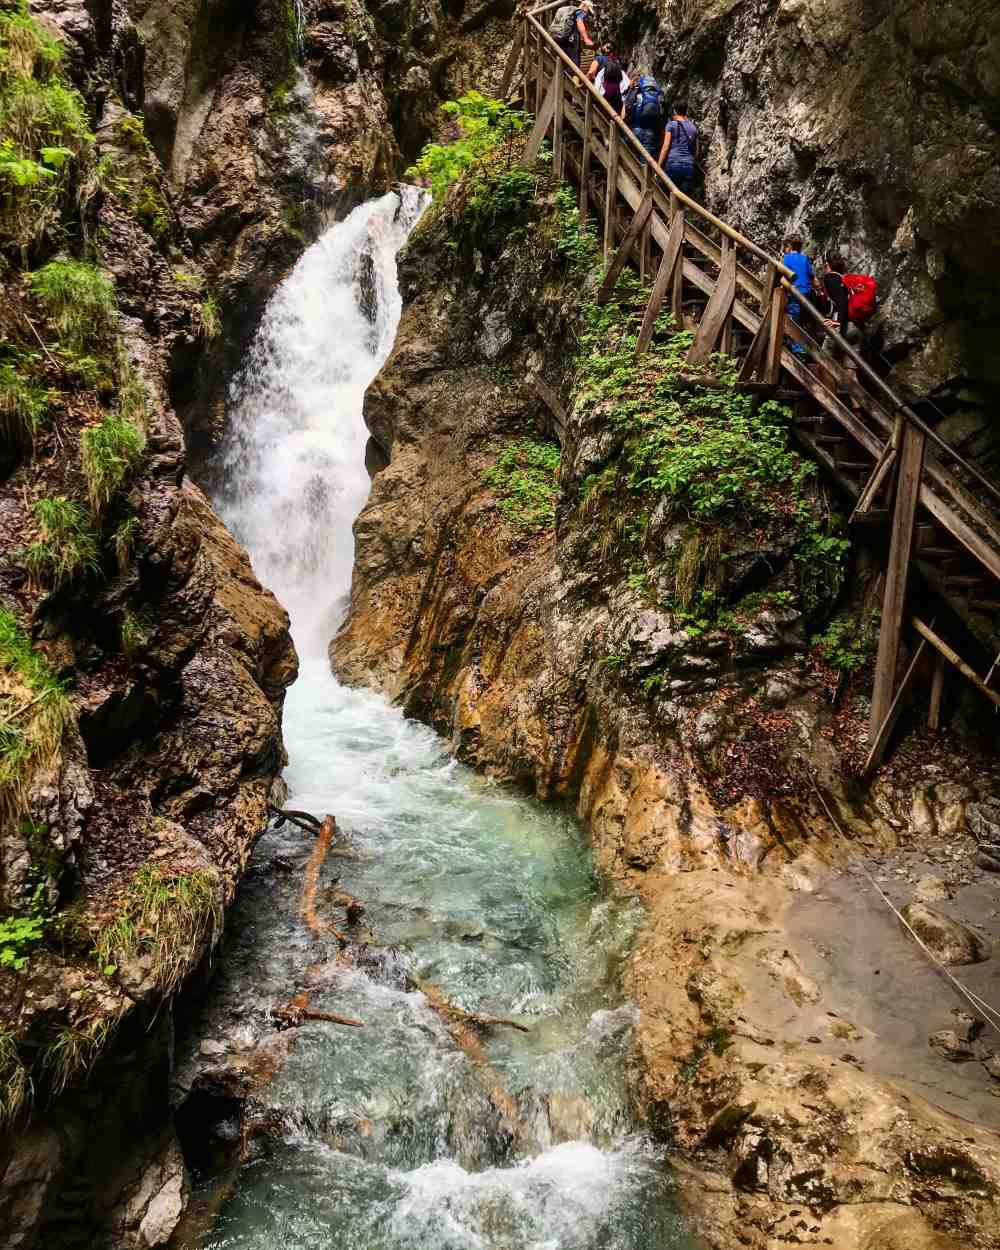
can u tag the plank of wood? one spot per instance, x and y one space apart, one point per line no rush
647 186
754 359
512 59
717 313
664 278
937 693
588 143
726 336
558 133
882 469
621 256
881 739
551 400
911 463
775 337
958 528
611 192
542 123
953 657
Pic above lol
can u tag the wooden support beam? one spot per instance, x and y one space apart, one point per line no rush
726 337
874 484
623 253
754 359
911 466
881 739
551 400
588 143
775 337
953 657
611 190
669 265
718 311
540 58
558 131
937 692
647 189
542 123
512 59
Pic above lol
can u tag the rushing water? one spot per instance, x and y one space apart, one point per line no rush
392 1136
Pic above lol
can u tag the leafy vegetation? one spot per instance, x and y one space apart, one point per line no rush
165 917
482 126
713 458
109 452
43 128
847 643
77 298
67 545
209 319
580 246
18 934
34 709
525 478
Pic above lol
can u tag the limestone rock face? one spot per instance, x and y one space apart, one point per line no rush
874 132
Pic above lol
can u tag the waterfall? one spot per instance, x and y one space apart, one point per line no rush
391 1134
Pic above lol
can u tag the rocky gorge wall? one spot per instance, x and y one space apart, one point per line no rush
204 145
873 130
519 587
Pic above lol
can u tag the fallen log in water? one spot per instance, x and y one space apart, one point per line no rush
468 1019
297 1011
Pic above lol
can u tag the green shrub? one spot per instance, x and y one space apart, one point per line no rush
26 48
34 710
18 934
109 452
165 917
77 298
67 545
525 479
847 643
484 125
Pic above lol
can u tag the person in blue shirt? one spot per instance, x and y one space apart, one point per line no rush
804 281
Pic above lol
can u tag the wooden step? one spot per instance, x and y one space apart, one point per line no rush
938 553
969 580
855 466
829 440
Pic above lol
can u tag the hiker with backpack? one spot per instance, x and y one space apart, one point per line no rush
569 28
609 77
644 113
680 149
852 301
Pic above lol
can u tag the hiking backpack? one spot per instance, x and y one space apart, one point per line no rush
563 23
862 297
646 109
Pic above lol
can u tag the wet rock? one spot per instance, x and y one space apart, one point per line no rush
950 1046
950 940
984 821
931 890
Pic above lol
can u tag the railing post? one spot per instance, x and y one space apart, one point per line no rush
726 337
588 139
677 291
776 336
647 183
911 469
611 192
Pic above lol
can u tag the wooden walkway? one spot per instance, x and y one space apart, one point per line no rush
940 514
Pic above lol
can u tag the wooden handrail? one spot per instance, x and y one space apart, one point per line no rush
894 402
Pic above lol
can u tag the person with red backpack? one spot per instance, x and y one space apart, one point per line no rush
853 300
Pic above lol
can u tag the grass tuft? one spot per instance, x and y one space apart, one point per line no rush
66 547
123 541
22 406
72 1052
209 320
77 298
34 710
165 917
109 452
16 1087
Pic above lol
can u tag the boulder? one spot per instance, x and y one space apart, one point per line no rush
931 890
983 820
949 1045
951 941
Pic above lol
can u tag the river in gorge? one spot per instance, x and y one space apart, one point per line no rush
391 1136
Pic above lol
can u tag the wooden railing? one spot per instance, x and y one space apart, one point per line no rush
733 296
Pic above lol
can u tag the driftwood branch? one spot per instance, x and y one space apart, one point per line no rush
295 1012
466 1019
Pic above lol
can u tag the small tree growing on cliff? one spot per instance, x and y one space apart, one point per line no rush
481 127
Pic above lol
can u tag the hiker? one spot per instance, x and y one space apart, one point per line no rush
608 75
680 149
644 113
804 282
852 301
569 28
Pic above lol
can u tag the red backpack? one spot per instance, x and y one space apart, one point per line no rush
862 292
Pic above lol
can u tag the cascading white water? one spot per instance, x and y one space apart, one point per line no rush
392 1138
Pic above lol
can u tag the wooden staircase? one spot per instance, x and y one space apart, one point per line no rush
940 512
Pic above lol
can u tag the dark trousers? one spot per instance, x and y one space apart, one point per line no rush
681 174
